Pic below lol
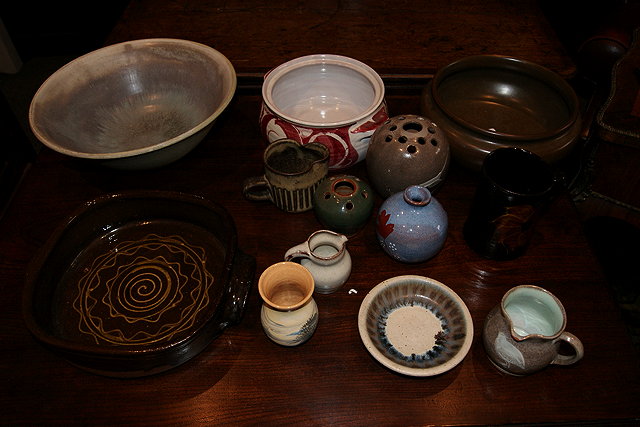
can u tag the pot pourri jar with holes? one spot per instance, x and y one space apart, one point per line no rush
343 203
407 150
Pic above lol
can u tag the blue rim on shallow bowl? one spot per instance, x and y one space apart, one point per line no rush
415 326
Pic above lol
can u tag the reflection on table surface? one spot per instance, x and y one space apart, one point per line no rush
244 378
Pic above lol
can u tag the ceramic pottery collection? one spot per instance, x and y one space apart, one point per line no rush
326 112
407 150
412 225
343 203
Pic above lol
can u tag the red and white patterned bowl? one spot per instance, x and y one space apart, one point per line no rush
335 100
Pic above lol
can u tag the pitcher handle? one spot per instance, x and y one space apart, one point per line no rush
299 251
256 188
574 342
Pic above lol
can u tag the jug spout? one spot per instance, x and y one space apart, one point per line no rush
327 246
533 312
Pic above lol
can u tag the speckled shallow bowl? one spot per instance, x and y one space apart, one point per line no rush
415 325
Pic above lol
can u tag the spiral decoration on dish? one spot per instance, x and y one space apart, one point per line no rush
144 291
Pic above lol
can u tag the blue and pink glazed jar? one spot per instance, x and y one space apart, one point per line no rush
412 225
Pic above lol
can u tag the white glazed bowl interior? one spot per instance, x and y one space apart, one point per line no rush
132 98
404 313
323 90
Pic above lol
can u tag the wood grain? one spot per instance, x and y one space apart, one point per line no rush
243 378
403 38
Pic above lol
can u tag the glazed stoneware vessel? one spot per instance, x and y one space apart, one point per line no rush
140 104
485 102
415 326
515 188
407 150
326 257
331 99
289 314
523 333
292 172
412 225
343 203
136 283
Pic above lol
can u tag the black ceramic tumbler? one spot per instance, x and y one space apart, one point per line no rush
516 185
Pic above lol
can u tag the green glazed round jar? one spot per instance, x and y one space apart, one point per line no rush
343 203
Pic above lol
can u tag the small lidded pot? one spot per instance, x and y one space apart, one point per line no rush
343 203
331 99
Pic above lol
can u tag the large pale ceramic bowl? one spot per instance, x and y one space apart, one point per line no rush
487 102
134 105
331 99
415 325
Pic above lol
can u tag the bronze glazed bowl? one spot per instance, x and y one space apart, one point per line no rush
136 284
487 102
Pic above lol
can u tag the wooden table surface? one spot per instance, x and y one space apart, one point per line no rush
400 39
244 378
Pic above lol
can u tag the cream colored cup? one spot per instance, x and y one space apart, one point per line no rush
289 315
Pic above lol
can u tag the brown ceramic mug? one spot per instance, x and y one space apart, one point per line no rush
292 173
515 187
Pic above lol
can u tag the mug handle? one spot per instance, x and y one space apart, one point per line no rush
256 188
298 251
574 342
